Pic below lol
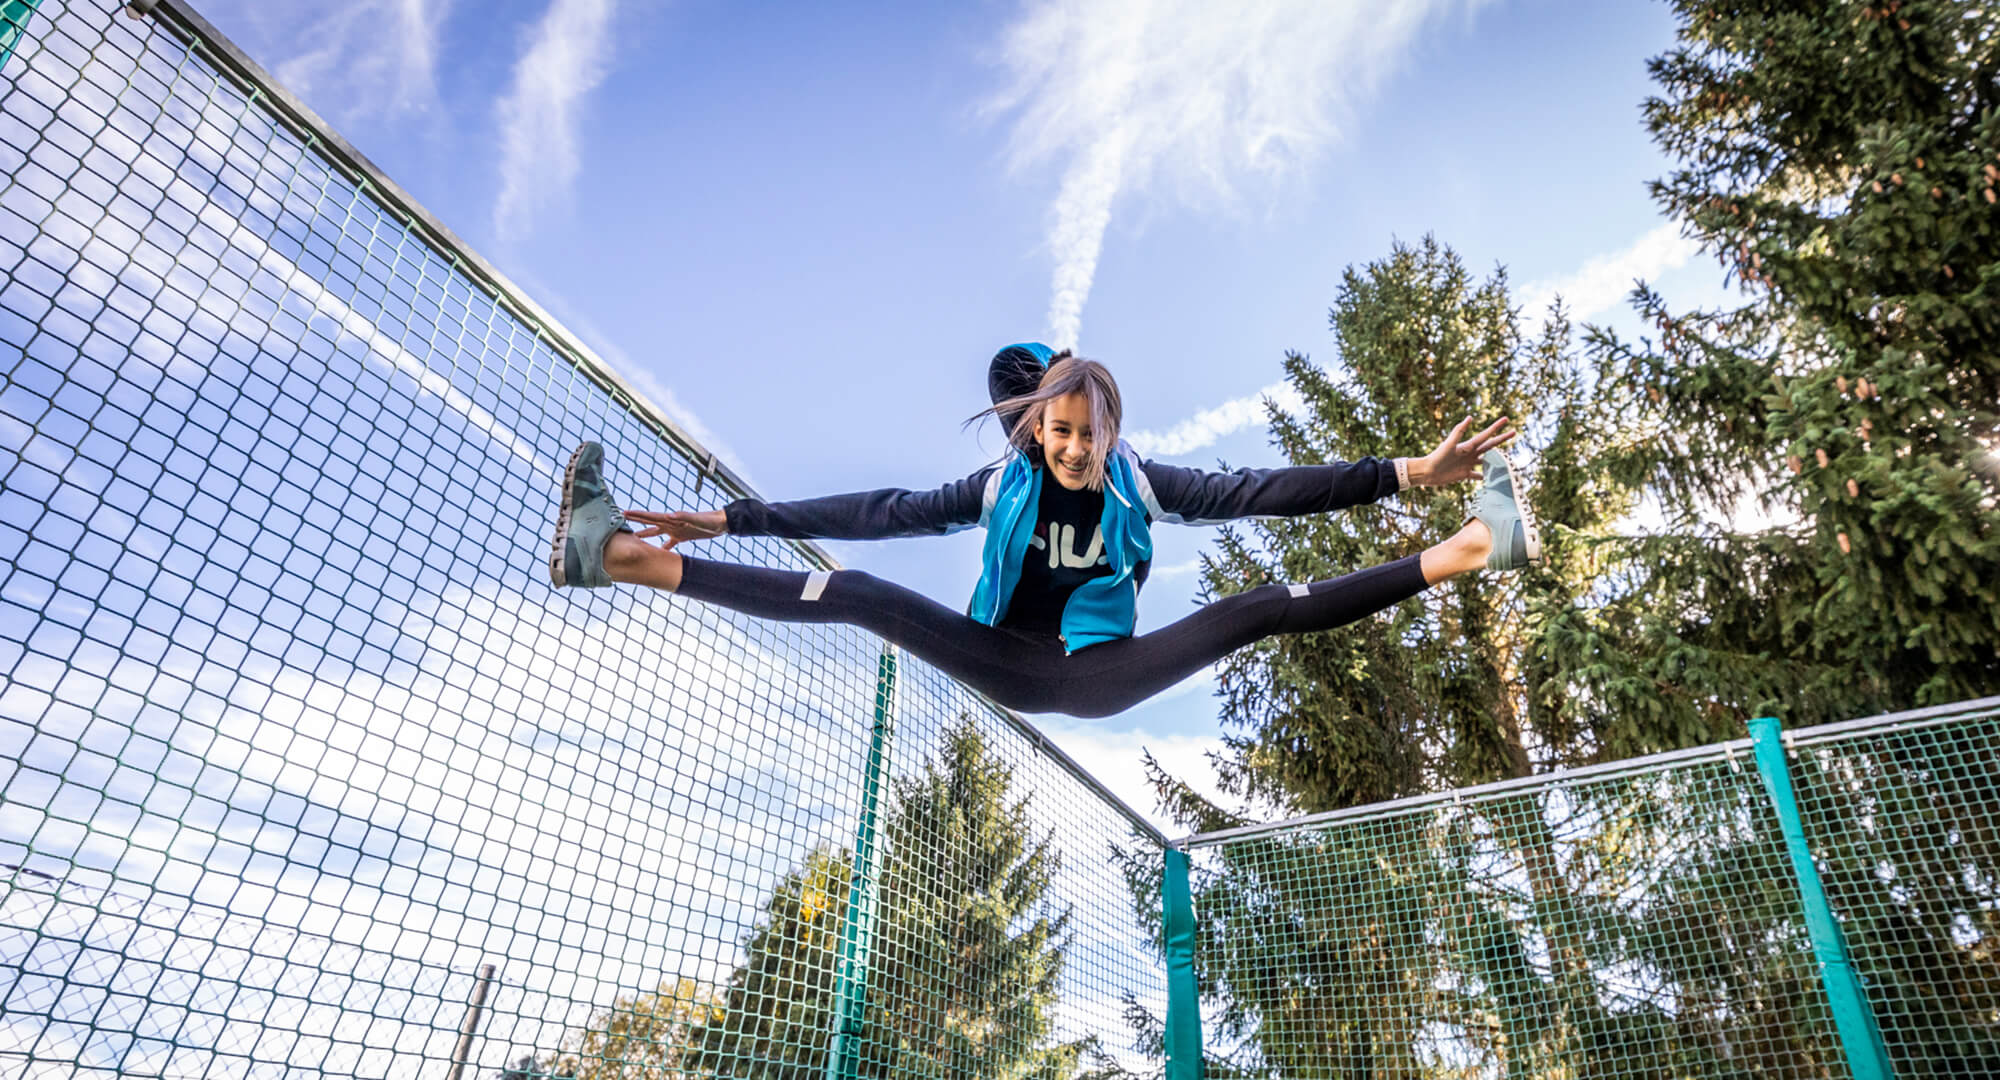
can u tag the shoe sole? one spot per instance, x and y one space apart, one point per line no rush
1528 529
561 543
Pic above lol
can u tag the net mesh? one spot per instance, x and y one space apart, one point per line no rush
295 739
1905 824
1641 923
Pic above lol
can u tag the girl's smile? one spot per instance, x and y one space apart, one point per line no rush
1064 432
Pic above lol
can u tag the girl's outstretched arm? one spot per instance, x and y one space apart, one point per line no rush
860 515
1199 497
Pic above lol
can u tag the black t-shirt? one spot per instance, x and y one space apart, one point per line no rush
1067 550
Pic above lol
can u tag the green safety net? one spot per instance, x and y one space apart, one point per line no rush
300 755
1904 822
1637 920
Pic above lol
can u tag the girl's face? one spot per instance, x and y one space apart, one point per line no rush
1064 432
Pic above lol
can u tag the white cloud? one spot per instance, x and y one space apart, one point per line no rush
1598 286
1603 282
1190 95
369 55
1207 427
1116 757
567 58
1180 569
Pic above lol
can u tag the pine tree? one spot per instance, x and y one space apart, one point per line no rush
775 1020
971 945
1456 688
1841 161
966 957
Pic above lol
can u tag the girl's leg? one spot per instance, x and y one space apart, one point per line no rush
1109 678
1098 681
632 561
1009 669
1465 550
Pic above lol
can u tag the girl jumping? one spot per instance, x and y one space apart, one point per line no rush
1068 518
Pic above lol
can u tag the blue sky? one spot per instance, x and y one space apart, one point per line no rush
801 228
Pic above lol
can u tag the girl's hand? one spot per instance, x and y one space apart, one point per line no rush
1457 457
679 525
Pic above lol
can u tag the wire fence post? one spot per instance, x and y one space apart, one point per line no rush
1860 1038
1183 998
470 1028
857 937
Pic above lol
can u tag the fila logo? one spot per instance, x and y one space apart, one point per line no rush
1064 554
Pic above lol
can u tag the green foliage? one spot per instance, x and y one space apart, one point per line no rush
1841 161
971 950
1658 936
1459 687
1909 826
641 1037
776 1017
1664 936
961 980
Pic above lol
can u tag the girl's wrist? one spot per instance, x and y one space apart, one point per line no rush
1403 479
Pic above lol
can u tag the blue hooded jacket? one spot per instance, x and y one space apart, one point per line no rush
1102 609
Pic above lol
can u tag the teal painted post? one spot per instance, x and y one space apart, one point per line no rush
1860 1039
1183 995
857 938
14 16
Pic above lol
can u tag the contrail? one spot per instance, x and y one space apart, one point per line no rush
1187 95
1082 212
352 63
1210 425
565 62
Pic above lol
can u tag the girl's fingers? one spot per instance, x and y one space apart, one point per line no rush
687 525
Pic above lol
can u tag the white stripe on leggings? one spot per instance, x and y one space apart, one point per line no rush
815 584
1301 590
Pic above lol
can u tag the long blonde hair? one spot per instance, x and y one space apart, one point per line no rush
1066 375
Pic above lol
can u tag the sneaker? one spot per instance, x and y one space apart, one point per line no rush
1516 541
584 522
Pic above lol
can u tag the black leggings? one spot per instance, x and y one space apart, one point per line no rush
1029 672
